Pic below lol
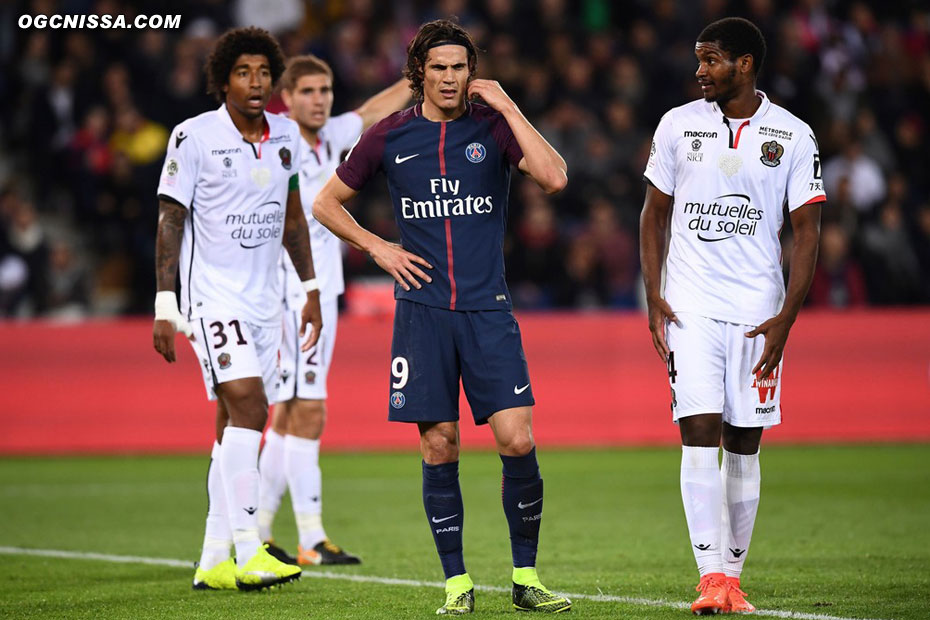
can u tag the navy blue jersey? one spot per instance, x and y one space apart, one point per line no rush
449 182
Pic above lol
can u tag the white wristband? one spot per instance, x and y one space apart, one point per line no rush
310 285
166 309
166 305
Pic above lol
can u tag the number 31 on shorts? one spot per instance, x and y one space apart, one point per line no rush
400 370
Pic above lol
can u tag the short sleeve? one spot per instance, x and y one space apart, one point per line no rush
660 169
181 170
364 160
805 181
297 156
344 130
506 141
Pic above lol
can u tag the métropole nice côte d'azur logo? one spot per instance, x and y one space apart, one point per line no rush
725 217
446 202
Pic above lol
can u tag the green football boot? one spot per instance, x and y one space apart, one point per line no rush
220 577
460 596
264 571
531 595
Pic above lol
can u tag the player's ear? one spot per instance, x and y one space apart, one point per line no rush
286 97
745 63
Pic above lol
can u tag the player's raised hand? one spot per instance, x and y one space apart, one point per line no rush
659 314
312 315
168 321
401 264
776 335
491 92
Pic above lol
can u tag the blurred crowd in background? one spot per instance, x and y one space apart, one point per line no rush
85 116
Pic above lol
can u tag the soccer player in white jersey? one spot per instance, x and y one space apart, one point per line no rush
723 170
290 457
228 199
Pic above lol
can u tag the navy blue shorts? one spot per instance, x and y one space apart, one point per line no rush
433 347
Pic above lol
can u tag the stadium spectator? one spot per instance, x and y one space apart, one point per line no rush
838 281
585 73
867 183
921 234
892 268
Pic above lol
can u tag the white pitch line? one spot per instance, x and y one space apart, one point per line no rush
391 581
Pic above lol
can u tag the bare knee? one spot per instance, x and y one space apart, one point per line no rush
740 440
513 431
519 444
307 418
439 443
280 418
245 402
701 430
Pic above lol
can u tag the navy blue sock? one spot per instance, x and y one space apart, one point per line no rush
442 498
522 493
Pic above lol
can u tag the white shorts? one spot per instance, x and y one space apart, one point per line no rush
710 371
230 349
303 375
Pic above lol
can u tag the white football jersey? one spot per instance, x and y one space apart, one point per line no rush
318 163
730 183
236 195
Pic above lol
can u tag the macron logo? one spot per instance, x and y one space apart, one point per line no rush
399 160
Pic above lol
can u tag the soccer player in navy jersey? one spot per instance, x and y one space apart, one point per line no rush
447 162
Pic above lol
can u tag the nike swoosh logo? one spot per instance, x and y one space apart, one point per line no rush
520 390
523 506
435 520
399 160
702 238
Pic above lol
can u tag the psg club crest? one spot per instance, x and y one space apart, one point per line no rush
285 156
398 400
224 361
310 377
475 152
771 153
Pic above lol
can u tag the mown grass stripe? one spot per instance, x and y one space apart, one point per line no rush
392 581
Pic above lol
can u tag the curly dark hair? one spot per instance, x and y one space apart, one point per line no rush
737 37
235 43
431 34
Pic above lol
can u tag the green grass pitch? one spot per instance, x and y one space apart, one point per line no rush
842 532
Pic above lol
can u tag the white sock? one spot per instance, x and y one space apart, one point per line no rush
741 482
239 457
302 468
217 536
273 482
701 494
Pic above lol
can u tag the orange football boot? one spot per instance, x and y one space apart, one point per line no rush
308 557
736 598
713 599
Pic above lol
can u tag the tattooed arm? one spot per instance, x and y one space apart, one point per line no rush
297 243
171 217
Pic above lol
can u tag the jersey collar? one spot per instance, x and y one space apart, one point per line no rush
418 112
760 112
227 120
